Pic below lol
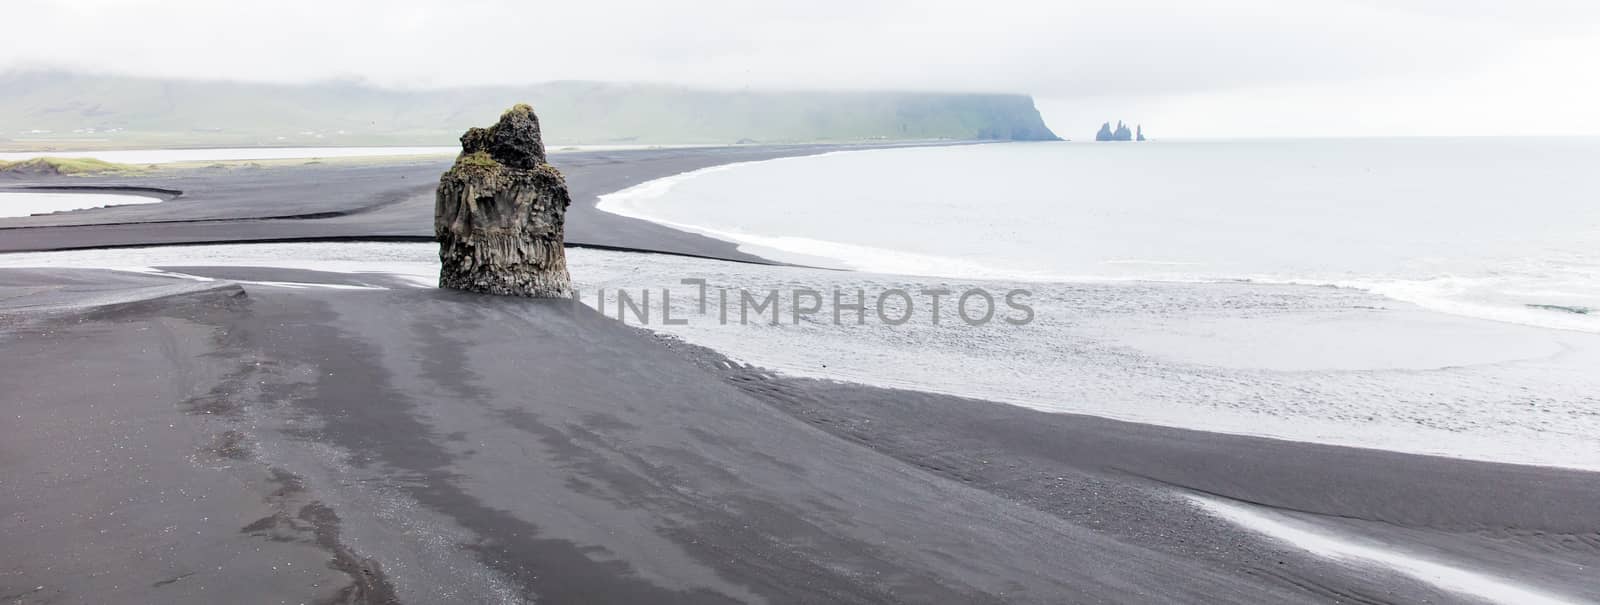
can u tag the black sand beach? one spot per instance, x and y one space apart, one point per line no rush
385 199
191 442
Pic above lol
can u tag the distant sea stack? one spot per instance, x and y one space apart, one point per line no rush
500 212
1120 134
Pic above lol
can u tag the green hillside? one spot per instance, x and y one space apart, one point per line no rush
44 109
62 166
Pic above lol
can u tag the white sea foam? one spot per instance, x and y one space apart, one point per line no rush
1446 576
413 263
294 285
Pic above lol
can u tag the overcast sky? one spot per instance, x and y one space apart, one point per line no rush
1183 68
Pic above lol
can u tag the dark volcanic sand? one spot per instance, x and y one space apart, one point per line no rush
259 444
442 446
451 447
387 199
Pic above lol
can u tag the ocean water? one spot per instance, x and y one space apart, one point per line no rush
25 203
1499 228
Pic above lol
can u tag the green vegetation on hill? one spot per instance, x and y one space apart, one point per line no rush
40 108
67 166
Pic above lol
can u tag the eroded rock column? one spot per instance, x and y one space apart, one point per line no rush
500 212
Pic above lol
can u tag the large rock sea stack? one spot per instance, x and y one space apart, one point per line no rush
1122 133
500 212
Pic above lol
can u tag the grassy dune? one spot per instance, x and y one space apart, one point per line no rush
64 166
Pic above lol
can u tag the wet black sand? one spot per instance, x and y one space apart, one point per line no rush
199 443
566 457
258 440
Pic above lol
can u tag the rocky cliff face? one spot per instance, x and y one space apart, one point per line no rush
1122 133
500 212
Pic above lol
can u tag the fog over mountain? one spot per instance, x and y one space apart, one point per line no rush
1219 68
63 110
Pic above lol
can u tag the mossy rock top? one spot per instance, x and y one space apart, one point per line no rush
514 141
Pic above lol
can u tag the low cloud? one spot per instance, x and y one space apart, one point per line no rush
1136 54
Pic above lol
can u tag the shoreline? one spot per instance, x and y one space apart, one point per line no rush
653 243
1381 325
17 203
803 249
851 480
313 201
164 194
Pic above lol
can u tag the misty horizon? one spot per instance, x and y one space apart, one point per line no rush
1111 118
1237 68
